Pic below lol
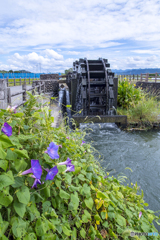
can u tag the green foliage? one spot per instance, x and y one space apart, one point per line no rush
127 94
144 112
75 205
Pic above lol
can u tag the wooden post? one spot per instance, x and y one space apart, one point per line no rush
24 94
20 81
25 80
3 93
29 81
133 76
33 85
7 82
146 79
156 77
14 81
130 77
141 77
9 101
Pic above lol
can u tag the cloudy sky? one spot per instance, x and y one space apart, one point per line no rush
51 34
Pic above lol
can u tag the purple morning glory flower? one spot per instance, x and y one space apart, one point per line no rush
67 162
51 173
67 137
12 109
83 143
105 177
7 129
140 214
52 150
36 181
70 168
36 169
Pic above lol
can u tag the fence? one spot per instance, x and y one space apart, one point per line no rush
22 75
20 82
5 92
142 77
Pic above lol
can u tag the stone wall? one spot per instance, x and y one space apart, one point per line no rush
150 87
51 83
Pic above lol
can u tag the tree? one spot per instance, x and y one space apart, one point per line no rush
68 70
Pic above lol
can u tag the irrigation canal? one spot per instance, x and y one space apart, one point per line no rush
139 151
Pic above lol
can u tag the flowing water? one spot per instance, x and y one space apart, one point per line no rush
139 151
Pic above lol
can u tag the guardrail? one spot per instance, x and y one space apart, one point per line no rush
5 92
141 77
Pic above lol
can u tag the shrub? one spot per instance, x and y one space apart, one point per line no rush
127 94
145 111
78 204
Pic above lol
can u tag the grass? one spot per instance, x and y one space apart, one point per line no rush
11 81
145 112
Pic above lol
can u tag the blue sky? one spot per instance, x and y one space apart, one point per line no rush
53 34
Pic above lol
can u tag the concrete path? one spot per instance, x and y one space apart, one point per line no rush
55 108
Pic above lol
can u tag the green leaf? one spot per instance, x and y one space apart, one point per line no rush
89 203
120 220
23 195
86 190
19 227
81 177
5 141
66 231
30 236
64 195
11 155
97 217
83 233
21 153
102 195
75 200
4 164
20 165
40 227
20 208
77 170
5 199
5 180
2 154
58 183
68 178
3 227
18 114
105 224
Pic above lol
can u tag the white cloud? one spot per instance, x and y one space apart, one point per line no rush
92 28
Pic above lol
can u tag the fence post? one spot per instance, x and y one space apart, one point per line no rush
29 81
33 85
146 80
3 94
133 76
156 77
14 81
9 101
24 94
130 77
141 77
25 80
7 81
20 81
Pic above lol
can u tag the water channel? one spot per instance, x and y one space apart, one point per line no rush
139 151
